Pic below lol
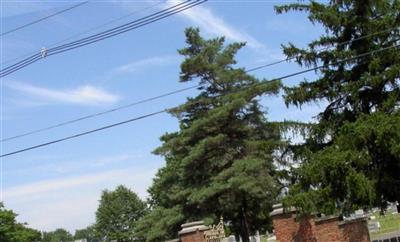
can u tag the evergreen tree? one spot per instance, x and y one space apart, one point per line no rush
220 162
351 158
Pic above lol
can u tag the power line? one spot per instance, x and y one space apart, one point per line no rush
37 56
166 110
102 35
99 113
92 39
115 109
85 133
44 18
141 23
152 6
86 31
126 26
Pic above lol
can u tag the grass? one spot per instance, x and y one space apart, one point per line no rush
389 223
263 238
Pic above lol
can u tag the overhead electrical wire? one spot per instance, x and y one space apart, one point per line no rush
99 113
86 31
125 29
152 6
81 42
37 56
169 109
102 35
44 18
156 97
161 96
129 25
105 34
85 133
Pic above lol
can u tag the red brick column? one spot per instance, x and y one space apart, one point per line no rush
285 225
355 230
306 231
193 232
327 229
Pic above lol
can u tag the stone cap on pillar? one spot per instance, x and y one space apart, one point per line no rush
324 219
279 209
193 227
173 240
353 220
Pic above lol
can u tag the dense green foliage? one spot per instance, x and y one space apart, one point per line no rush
58 235
220 162
12 231
351 158
117 214
88 233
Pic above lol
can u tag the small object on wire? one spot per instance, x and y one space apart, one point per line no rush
182 6
43 52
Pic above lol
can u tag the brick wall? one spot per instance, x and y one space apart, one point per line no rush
290 228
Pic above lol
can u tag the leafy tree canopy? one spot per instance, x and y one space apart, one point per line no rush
118 213
58 235
88 233
12 231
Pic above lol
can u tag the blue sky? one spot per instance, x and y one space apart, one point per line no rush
59 185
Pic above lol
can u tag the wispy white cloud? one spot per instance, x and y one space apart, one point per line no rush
25 103
73 165
145 63
43 187
73 210
113 159
213 25
71 202
83 95
15 8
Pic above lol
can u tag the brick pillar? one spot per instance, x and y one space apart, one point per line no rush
193 232
355 230
285 225
327 229
306 231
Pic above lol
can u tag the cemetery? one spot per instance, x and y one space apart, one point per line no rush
289 226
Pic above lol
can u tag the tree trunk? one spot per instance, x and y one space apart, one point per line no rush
244 227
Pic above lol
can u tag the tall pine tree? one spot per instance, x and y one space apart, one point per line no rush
351 158
220 162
